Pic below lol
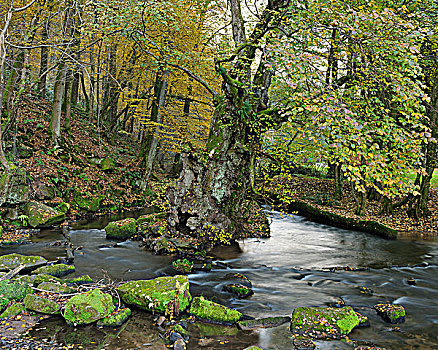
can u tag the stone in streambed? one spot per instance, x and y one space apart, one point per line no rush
57 270
391 313
13 310
122 229
88 307
79 280
115 319
11 261
252 348
55 288
12 290
156 294
42 277
214 312
268 322
239 290
40 214
323 323
41 305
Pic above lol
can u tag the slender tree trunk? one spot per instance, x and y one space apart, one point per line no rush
59 88
43 64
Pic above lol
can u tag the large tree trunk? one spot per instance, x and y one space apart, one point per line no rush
213 197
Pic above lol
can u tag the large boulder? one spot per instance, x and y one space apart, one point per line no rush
323 322
40 214
122 229
88 307
11 261
41 305
214 312
13 188
56 288
57 270
157 294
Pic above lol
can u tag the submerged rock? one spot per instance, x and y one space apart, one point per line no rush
323 323
41 305
211 311
391 313
57 270
11 261
268 322
115 319
238 278
157 294
122 229
13 310
238 289
88 307
40 214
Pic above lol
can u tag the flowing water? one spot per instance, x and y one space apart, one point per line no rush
295 267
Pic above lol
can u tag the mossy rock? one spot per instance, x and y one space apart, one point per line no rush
30 280
40 214
88 307
213 330
323 323
253 348
239 290
85 201
150 218
13 310
214 312
57 270
1 231
42 277
11 261
107 164
12 290
391 313
41 305
63 207
156 294
115 319
85 279
122 229
56 288
268 322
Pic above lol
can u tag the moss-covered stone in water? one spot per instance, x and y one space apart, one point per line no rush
238 289
56 288
323 323
212 330
253 348
13 310
156 294
121 229
11 261
79 280
57 270
13 290
115 319
42 277
41 305
212 311
268 322
391 313
42 215
88 307
30 280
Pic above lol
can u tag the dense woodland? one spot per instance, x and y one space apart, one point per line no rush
208 107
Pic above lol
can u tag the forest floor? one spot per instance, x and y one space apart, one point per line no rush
320 194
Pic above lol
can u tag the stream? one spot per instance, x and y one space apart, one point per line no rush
295 267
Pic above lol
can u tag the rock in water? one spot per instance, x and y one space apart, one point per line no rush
122 229
391 313
239 290
57 270
13 310
88 307
42 305
56 288
268 322
115 319
211 311
323 323
157 294
12 290
42 215
11 261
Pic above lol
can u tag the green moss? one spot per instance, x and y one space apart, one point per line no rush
1 231
180 330
42 305
183 265
42 215
13 290
212 311
268 322
323 323
240 290
56 288
79 280
57 270
42 277
212 330
85 201
150 218
391 313
253 348
11 261
107 164
121 229
88 307
13 310
156 294
116 318
30 280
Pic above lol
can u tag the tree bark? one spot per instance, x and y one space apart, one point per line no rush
55 122
43 63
